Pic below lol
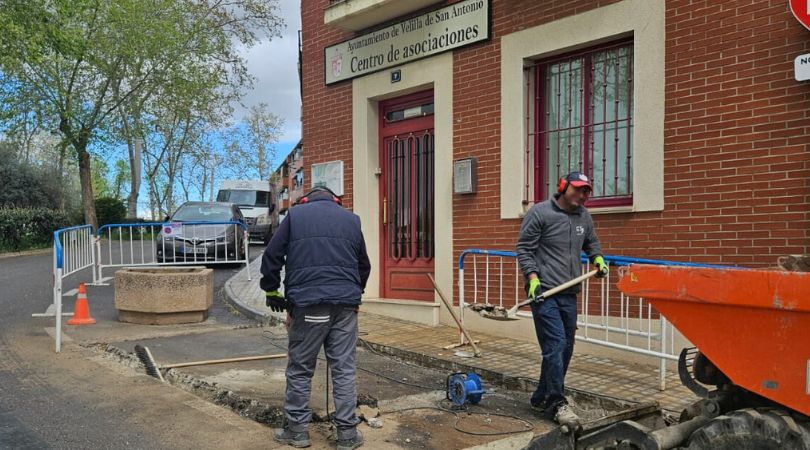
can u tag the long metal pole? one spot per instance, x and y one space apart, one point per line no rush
57 299
461 302
246 242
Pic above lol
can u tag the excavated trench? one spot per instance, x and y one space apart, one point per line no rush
409 394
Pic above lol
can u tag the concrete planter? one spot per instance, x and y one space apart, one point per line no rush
163 295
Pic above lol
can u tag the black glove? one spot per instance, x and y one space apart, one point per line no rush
275 301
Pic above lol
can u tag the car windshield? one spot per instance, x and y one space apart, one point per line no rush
211 213
239 197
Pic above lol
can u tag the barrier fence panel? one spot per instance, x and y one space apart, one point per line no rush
169 244
606 316
72 252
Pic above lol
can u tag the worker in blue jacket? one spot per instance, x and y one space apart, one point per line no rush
552 235
322 249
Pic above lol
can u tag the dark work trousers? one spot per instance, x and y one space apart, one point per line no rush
334 328
555 322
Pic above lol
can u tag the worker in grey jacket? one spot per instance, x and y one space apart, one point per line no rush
321 246
552 235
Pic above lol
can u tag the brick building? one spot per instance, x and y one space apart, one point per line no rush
288 179
685 113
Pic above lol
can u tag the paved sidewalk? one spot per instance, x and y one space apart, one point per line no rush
507 361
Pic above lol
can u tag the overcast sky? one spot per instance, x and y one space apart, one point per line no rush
274 63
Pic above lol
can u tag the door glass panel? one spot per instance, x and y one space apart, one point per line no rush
410 196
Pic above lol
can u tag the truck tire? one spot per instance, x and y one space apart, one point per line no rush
753 428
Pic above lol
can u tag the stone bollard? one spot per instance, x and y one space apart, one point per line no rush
164 295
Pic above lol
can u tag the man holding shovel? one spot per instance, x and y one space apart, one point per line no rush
552 235
321 246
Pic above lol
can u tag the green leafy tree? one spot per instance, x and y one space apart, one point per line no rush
25 184
110 210
121 178
99 173
199 73
251 149
74 63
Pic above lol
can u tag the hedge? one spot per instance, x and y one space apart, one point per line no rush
24 228
110 210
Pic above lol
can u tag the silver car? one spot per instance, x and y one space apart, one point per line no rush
187 236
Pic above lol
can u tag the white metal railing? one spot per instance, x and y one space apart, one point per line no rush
167 244
146 244
606 316
72 252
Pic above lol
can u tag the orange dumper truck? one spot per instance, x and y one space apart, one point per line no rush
751 364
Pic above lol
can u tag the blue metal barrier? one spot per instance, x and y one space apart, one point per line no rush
605 317
73 251
161 243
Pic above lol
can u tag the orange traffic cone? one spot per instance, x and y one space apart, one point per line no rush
81 312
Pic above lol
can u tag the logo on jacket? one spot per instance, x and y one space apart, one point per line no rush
580 230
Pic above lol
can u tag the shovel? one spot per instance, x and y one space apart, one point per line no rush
477 352
511 313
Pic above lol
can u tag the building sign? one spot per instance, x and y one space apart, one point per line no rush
801 67
465 176
427 34
328 175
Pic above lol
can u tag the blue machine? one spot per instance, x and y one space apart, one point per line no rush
464 387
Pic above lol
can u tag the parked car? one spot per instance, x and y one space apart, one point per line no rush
180 240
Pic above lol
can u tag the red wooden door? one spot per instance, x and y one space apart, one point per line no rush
406 195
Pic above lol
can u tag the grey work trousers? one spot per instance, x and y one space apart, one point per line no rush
333 327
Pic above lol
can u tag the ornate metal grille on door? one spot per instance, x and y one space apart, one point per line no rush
409 193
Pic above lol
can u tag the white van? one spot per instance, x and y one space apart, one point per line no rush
257 201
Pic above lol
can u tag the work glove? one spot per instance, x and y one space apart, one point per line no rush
599 262
275 301
534 288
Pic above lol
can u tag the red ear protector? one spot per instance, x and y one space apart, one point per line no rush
563 184
317 189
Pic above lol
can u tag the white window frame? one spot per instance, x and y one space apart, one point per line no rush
642 19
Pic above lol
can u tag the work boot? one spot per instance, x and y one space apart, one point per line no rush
298 439
566 417
351 443
539 408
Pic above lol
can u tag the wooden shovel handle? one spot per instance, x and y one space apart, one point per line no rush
569 283
223 361
453 313
555 290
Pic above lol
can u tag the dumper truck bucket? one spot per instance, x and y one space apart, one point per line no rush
754 325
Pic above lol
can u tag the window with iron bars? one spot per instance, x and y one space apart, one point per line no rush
583 116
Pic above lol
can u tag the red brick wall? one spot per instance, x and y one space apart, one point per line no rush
327 111
736 160
736 154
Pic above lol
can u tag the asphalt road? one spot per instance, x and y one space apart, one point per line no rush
86 398
76 400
